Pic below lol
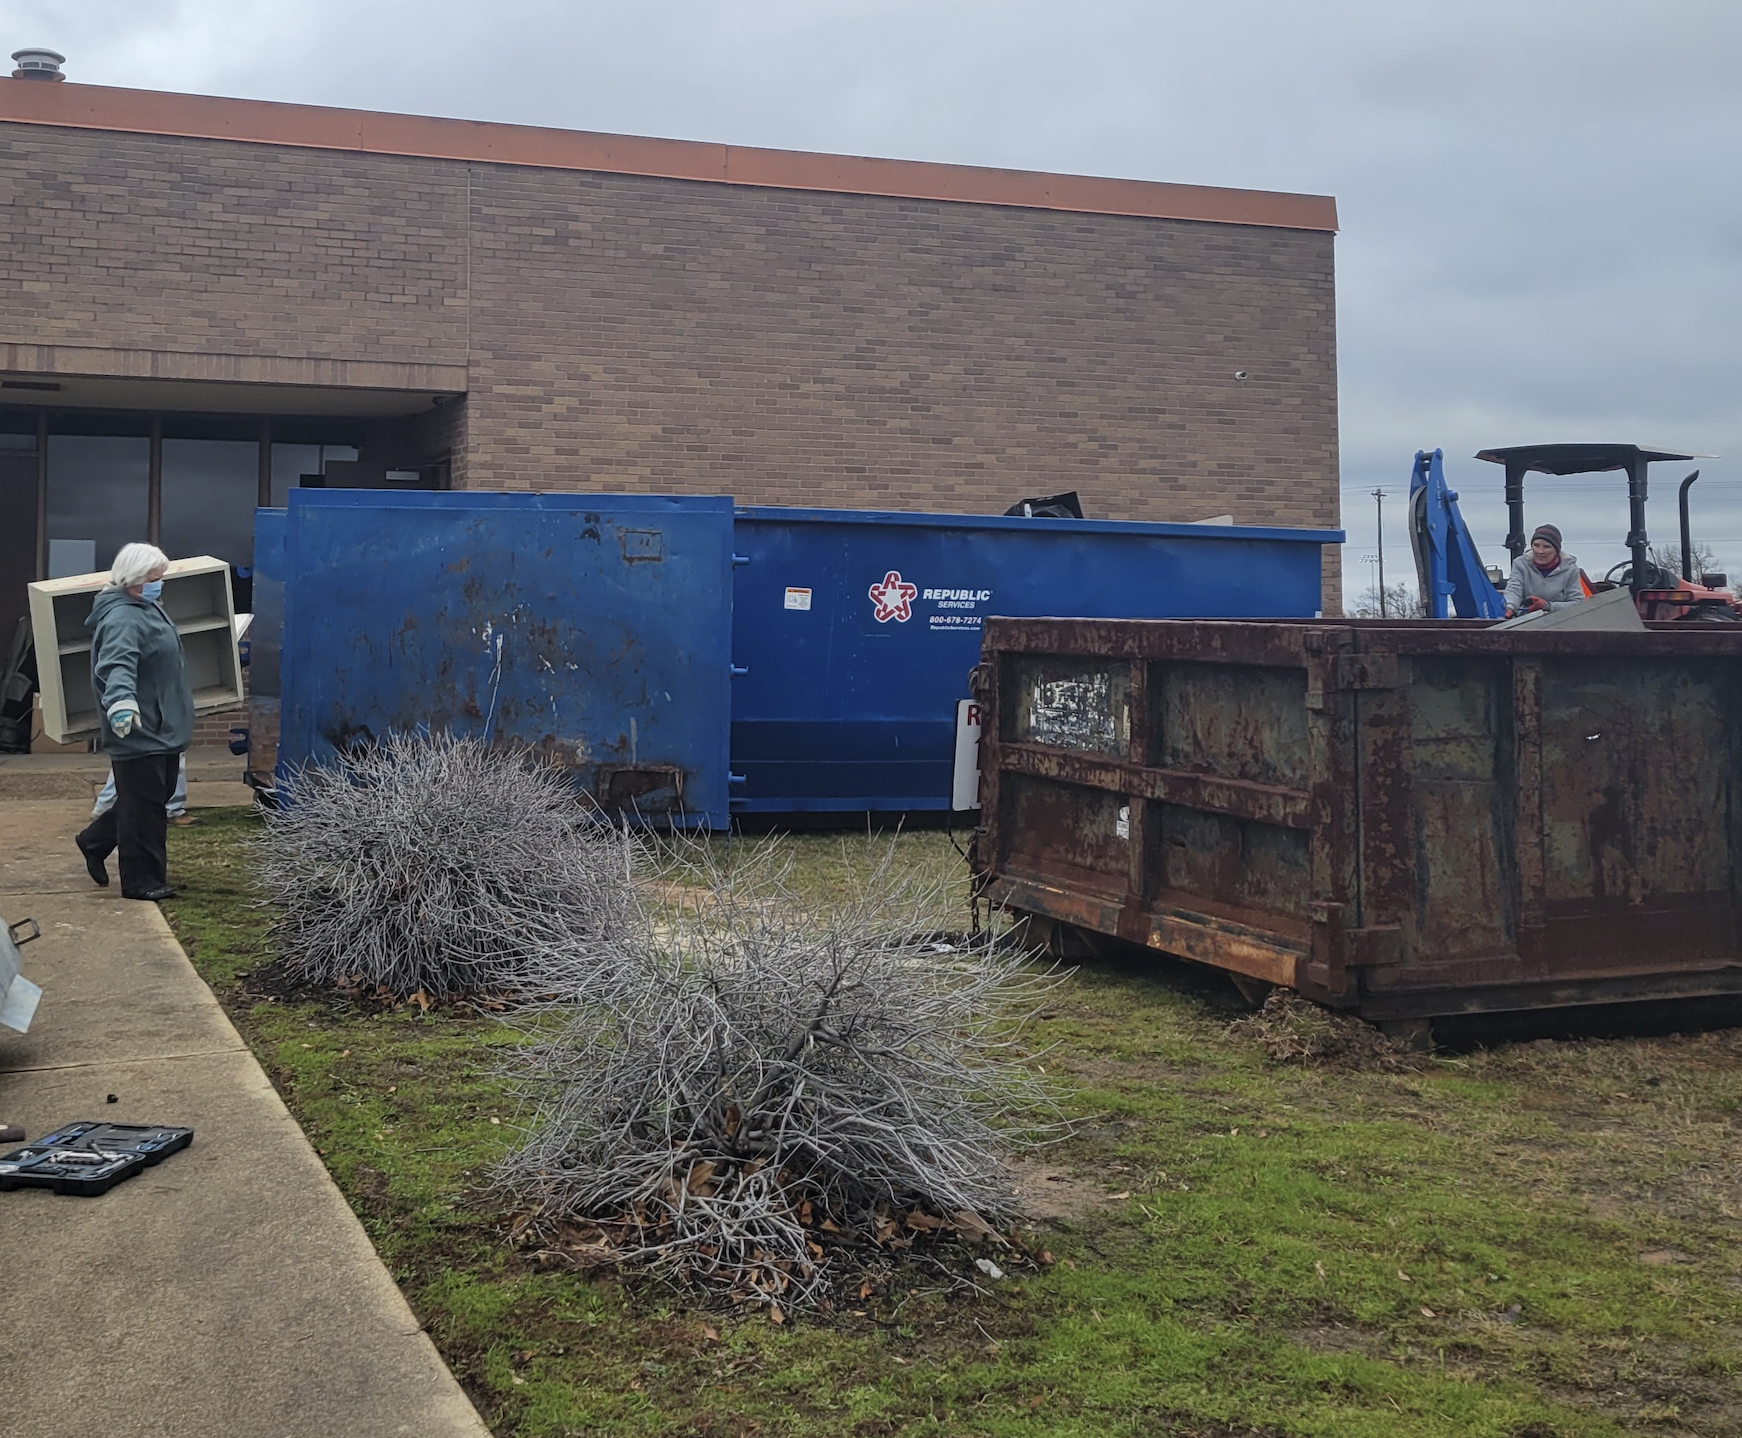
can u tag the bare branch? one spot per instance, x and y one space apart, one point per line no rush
433 864
768 1078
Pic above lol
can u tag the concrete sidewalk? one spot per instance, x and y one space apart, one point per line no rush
229 1291
214 776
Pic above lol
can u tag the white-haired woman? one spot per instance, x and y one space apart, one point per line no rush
148 721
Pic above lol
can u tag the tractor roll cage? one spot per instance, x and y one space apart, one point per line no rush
1560 459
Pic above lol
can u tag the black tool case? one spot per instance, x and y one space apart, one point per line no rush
88 1159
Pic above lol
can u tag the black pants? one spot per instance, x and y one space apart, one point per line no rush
138 824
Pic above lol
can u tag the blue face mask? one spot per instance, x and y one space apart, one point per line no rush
152 590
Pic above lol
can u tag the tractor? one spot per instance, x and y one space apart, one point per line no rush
1453 578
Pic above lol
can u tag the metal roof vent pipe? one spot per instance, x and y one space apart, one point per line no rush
36 63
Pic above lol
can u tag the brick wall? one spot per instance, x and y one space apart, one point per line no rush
796 348
212 729
788 347
146 242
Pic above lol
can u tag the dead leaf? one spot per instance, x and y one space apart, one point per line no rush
971 1226
865 1289
1404 1276
1046 1257
1318 1268
421 999
924 1221
774 1314
1037 1400
711 1334
1427 1312
1126 1193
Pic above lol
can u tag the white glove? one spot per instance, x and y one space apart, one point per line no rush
122 721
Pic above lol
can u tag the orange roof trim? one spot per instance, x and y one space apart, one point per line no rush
261 122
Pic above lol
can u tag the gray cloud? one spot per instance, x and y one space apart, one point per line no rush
1542 225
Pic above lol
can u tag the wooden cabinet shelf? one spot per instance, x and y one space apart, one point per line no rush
196 597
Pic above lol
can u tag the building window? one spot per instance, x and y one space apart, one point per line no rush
209 491
99 492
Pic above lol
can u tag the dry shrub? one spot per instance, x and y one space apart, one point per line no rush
1294 1030
774 1081
432 865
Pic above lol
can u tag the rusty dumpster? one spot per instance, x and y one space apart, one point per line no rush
1406 819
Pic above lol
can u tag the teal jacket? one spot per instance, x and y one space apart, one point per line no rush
136 660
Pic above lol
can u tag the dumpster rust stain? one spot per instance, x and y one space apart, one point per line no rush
554 655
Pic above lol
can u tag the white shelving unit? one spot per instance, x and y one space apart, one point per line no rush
196 596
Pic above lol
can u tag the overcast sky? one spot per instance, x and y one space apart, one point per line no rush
1541 200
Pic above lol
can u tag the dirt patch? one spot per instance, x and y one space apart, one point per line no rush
1630 1381
1053 1194
278 980
1293 1030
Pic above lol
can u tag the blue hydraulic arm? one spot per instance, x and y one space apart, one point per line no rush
1446 560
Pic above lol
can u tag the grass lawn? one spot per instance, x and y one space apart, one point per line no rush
1539 1239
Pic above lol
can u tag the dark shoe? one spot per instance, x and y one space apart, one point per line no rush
152 894
11 1133
95 867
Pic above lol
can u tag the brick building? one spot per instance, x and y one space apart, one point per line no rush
207 300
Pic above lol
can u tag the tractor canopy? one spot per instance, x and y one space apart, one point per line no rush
1522 459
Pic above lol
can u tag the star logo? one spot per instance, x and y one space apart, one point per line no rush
893 598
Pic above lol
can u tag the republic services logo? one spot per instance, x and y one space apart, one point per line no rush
894 598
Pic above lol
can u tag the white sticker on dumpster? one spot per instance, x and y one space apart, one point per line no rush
798 598
965 785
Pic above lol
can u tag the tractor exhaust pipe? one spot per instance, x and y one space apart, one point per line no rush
1687 532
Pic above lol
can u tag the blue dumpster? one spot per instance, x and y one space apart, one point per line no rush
854 631
594 628
620 632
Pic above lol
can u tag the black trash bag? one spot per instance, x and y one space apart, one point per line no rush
1048 506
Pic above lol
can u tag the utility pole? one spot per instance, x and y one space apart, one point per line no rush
1379 507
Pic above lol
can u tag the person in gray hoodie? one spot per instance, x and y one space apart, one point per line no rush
1543 578
147 721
